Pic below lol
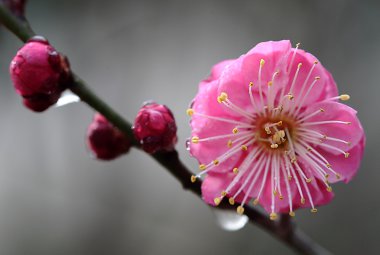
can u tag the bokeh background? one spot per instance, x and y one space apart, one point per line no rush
56 199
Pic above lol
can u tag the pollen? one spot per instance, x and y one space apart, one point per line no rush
190 112
223 97
202 167
195 139
193 178
235 170
273 216
314 210
344 97
262 62
240 210
235 130
231 201
217 201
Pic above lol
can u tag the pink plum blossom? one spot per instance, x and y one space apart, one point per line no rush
268 127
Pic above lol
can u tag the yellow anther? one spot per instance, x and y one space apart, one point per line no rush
308 149
273 216
190 112
217 201
303 200
290 96
229 143
329 188
244 147
251 84
293 160
327 176
314 210
235 130
240 209
281 197
328 165
215 162
344 97
270 83
348 143
338 176
346 154
193 178
231 200
321 110
262 62
195 139
292 214
255 202
235 170
202 167
267 130
315 62
280 124
223 97
275 192
290 177
308 180
274 145
317 78
223 193
299 65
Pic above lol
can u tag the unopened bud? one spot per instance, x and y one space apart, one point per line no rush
155 128
39 73
106 141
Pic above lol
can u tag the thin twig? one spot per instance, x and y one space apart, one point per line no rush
283 229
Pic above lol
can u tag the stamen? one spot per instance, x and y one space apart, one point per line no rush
326 122
304 84
299 106
190 112
219 119
262 62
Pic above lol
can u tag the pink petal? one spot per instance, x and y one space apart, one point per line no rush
352 133
214 184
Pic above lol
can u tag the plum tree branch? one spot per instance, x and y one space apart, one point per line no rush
283 229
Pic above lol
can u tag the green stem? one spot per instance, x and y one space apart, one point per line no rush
283 230
19 27
79 88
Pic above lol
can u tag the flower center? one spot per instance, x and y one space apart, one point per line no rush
273 133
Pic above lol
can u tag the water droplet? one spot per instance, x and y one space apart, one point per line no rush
67 98
187 144
230 220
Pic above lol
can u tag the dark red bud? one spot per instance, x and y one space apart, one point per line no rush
104 140
155 128
39 73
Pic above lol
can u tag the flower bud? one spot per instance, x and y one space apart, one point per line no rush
106 141
155 128
39 73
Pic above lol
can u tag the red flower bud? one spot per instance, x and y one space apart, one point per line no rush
39 73
155 128
106 141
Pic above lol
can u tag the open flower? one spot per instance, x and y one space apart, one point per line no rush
268 127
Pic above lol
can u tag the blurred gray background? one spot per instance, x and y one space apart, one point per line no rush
55 199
